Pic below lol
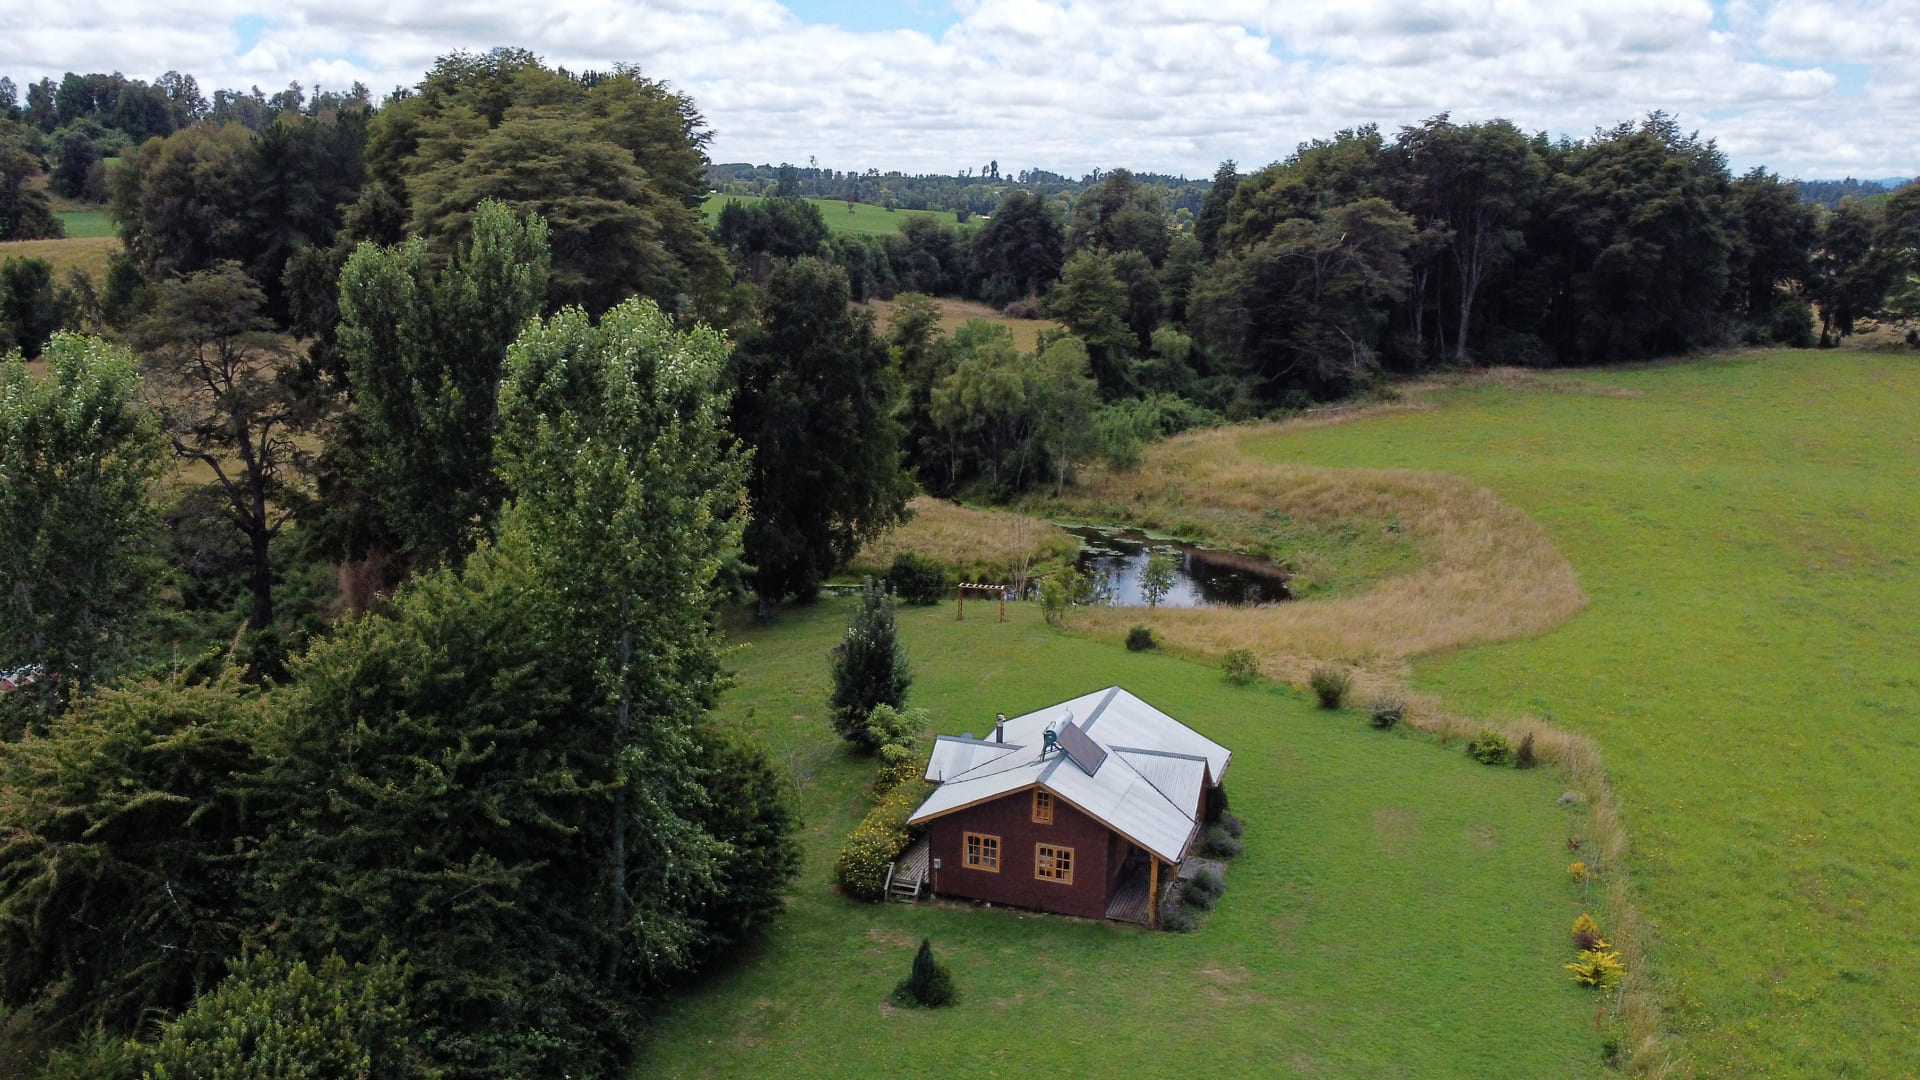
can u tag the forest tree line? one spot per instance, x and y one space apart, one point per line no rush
377 506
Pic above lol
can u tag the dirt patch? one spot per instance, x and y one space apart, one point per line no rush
1395 830
891 937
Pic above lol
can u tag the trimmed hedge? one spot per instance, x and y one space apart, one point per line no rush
878 840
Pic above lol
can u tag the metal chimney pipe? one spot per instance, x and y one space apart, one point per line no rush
1000 727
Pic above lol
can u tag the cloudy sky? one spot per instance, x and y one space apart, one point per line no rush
1811 88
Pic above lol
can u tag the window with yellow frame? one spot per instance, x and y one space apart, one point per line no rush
1052 863
982 852
1042 807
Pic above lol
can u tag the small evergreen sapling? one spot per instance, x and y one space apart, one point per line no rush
930 985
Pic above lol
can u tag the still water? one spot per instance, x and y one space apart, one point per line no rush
1203 577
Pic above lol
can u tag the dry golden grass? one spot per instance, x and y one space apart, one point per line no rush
89 253
993 546
955 313
1486 572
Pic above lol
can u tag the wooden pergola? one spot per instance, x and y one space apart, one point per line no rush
960 598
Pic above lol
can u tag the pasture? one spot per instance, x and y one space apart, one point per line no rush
1400 911
955 313
1746 529
862 220
88 253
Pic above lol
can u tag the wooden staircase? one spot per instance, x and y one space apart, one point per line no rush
908 874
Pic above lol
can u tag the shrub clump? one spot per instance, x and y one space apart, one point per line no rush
1598 968
1524 758
1231 824
1219 844
1586 934
1330 685
1491 748
878 840
1385 714
917 579
1240 667
1577 871
1140 639
1204 890
929 985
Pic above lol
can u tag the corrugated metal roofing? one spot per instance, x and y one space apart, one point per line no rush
953 755
1147 790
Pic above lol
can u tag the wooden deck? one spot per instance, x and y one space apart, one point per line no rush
1130 902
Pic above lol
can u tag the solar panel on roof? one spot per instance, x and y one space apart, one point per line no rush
1082 749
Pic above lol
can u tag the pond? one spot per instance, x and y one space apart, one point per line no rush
1203 577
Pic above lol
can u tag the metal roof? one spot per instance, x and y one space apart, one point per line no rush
1147 790
953 755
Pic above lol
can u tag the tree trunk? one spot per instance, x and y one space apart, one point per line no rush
261 579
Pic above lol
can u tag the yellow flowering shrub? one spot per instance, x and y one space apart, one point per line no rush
1586 933
1599 968
1577 870
878 840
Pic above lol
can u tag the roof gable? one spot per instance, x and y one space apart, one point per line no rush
1127 765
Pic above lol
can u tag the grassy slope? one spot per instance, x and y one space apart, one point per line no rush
1399 912
1749 534
865 220
89 253
85 222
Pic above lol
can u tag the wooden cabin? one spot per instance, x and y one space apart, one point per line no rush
1082 808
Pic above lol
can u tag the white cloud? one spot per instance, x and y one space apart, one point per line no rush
1165 85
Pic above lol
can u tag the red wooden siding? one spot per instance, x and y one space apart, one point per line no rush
1010 817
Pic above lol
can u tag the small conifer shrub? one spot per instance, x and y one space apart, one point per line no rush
1491 748
1523 758
929 985
1140 639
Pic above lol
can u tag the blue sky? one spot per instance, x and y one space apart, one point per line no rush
1810 88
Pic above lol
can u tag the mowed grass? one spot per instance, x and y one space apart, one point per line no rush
862 220
1747 530
1399 912
87 223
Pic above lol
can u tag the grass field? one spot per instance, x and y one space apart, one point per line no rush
87 223
1747 530
863 220
1399 912
89 253
955 313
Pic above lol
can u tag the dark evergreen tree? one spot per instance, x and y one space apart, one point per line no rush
1213 212
929 985
815 400
1019 250
869 667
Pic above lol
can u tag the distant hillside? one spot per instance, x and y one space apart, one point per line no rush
1829 192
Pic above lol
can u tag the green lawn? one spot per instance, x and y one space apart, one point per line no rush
1748 529
87 223
864 220
1400 911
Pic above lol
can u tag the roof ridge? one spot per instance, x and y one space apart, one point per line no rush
1156 790
1202 758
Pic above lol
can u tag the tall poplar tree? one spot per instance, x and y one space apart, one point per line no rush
78 455
411 472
